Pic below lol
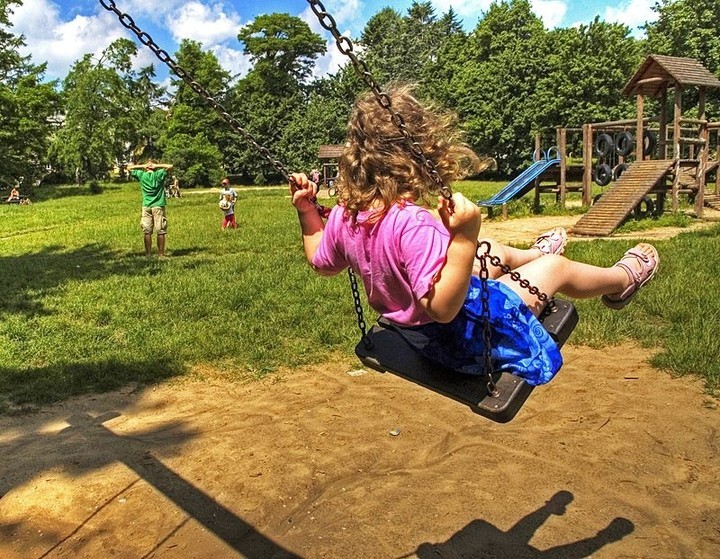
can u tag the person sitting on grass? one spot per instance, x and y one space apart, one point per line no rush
14 197
174 191
153 217
421 272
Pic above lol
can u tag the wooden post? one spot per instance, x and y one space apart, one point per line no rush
702 155
662 132
662 144
562 153
677 115
587 165
717 168
639 143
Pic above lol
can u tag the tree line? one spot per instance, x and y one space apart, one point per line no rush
507 79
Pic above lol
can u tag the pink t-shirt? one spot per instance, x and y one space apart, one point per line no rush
396 257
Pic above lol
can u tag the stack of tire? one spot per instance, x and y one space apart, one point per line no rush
608 149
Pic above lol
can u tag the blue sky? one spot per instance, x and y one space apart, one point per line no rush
60 32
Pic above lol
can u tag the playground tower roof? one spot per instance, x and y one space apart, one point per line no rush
660 72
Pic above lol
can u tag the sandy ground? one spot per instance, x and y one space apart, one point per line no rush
613 459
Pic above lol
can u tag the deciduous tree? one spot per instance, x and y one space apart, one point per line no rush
271 100
689 29
200 161
106 107
27 104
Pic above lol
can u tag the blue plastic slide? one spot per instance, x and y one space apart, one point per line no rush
523 183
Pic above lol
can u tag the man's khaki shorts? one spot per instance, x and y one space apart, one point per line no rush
153 219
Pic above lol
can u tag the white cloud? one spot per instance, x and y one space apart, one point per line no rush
633 14
552 12
207 24
330 62
345 16
231 59
60 43
150 9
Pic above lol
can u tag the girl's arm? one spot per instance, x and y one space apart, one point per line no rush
446 297
311 224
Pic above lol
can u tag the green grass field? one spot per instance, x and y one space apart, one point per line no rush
84 310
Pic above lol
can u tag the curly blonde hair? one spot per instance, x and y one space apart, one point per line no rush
377 167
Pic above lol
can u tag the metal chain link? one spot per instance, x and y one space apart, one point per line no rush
345 46
162 55
515 276
359 309
487 330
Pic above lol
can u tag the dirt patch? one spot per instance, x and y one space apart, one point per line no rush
612 459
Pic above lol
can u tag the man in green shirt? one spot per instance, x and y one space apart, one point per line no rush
152 177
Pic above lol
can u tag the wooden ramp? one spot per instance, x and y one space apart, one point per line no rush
712 201
615 204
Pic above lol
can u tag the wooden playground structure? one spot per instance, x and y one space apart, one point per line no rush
662 156
328 155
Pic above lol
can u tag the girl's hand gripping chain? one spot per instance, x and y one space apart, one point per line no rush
304 193
462 220
310 213
460 216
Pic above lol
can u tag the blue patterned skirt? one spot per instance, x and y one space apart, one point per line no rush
520 344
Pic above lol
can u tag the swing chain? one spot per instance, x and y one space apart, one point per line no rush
127 21
345 46
359 309
515 276
491 388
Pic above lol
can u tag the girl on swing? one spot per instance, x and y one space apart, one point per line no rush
420 272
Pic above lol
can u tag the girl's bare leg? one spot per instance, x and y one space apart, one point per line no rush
509 256
556 274
550 242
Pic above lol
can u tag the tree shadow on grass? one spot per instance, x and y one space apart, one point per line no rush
27 279
53 192
481 540
22 389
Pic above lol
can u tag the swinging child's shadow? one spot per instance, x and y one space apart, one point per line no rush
480 539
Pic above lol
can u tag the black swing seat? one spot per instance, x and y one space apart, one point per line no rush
391 353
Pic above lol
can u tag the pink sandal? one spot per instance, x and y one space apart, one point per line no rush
552 242
648 266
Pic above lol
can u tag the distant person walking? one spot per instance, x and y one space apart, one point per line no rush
152 177
228 197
